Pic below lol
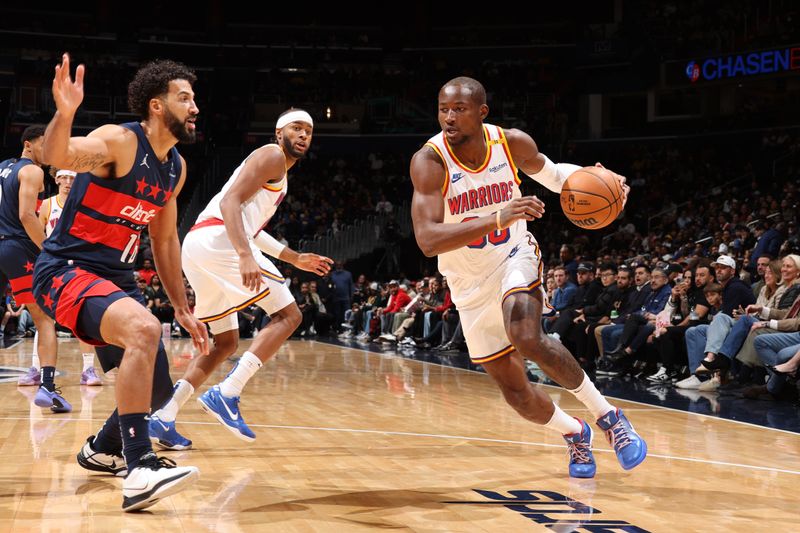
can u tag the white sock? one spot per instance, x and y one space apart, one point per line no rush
35 363
589 396
563 423
245 369
88 361
183 391
36 347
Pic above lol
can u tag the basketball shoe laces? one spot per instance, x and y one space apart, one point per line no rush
579 452
618 435
153 462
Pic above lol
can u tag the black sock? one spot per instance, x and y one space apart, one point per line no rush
135 437
109 438
48 378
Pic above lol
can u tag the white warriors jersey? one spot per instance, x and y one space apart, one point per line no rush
258 209
472 193
54 214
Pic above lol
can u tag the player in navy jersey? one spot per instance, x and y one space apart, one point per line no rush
21 237
128 178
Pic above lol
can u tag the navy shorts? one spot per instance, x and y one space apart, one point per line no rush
17 258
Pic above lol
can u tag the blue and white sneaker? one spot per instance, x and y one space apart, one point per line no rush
165 435
579 446
226 411
631 449
53 400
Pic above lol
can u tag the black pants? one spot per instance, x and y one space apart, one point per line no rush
671 347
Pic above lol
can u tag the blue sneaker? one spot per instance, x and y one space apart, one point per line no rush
579 446
53 400
226 411
631 449
165 435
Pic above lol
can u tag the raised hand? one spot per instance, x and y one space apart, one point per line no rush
67 94
318 264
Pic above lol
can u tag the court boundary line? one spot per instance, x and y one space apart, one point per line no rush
438 436
750 424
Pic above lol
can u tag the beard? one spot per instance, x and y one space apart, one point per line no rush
289 149
179 129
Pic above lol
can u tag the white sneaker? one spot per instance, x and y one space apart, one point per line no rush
691 383
710 385
155 478
96 461
388 337
659 376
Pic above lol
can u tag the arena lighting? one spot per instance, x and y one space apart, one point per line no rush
749 64
328 113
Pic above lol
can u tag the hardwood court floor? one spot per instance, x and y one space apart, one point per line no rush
353 441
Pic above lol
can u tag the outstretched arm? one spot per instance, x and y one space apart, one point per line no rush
539 167
434 237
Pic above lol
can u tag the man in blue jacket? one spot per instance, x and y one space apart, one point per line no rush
342 294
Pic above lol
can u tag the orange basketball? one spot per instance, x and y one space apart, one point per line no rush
591 198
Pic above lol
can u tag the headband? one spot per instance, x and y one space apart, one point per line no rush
66 173
293 116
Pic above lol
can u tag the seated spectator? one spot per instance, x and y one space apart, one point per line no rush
563 296
162 308
309 310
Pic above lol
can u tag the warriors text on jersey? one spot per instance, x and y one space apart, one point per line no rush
104 218
472 193
256 211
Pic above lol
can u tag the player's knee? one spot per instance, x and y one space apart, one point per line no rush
527 341
145 331
293 316
226 344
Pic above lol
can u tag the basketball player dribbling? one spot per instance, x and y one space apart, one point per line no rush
21 237
128 178
223 262
468 209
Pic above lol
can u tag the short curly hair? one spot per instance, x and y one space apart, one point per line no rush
152 80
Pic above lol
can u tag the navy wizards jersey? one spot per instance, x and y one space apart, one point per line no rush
10 225
103 218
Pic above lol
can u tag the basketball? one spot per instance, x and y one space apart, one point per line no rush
591 198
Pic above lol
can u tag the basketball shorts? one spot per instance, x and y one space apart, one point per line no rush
480 301
211 265
17 258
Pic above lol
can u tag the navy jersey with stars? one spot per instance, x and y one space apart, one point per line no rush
103 218
10 225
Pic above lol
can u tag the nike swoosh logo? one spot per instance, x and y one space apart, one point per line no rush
165 428
233 416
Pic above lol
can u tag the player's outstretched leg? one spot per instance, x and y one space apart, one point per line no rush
126 323
222 400
47 395
522 316
162 422
534 405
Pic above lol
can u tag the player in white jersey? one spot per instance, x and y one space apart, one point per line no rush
467 209
49 213
223 262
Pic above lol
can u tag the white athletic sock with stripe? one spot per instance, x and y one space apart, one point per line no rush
245 369
589 396
182 392
563 423
88 361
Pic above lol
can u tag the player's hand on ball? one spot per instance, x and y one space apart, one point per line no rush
196 329
622 183
251 273
526 208
318 264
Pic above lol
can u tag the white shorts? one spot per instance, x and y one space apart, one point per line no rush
212 267
480 301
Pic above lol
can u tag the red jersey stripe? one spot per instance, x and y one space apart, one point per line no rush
96 231
116 204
